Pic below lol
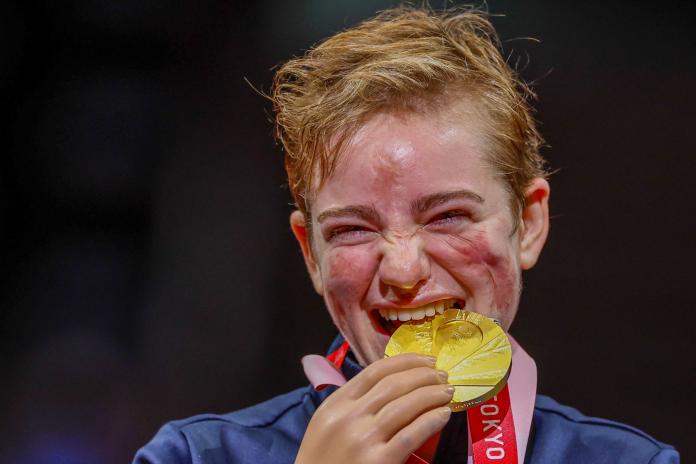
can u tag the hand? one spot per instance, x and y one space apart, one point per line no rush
381 416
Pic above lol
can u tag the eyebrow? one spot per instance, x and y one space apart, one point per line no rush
423 204
367 213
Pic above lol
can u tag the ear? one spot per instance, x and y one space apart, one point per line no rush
534 226
299 229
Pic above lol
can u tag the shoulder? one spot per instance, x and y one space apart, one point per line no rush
267 432
565 434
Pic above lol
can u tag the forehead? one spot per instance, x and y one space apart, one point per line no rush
396 155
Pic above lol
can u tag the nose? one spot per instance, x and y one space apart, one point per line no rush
404 266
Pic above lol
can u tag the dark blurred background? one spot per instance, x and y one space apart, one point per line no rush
148 269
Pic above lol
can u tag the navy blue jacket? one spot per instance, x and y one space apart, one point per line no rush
271 432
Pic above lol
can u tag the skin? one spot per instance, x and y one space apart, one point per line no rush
412 214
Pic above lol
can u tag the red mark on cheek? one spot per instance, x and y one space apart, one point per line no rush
481 249
494 263
347 273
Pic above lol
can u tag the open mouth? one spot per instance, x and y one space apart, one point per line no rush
388 320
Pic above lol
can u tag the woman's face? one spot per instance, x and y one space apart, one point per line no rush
412 220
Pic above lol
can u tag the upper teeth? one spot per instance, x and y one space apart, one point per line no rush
415 314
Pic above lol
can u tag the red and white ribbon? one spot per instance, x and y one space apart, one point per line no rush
492 430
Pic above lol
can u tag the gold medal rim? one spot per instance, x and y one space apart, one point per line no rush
464 405
454 315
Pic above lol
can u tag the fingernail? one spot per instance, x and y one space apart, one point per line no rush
449 390
430 359
443 375
446 412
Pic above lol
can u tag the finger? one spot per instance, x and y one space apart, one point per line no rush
402 411
399 384
412 437
372 374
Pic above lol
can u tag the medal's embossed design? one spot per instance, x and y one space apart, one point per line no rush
472 348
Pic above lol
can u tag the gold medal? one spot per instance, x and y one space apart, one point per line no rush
472 348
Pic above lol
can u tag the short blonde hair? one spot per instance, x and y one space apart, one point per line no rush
401 56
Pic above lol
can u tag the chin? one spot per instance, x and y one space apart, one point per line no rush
369 347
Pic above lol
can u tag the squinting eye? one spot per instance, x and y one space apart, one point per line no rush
346 233
450 217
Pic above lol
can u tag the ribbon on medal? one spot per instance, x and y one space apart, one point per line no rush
492 430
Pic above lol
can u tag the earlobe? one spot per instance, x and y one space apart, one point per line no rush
299 228
535 222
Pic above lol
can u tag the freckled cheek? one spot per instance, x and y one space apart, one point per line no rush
347 273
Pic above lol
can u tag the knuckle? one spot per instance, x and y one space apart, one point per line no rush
434 376
439 391
330 418
360 435
387 386
427 375
326 419
406 440
408 358
427 392
387 360
380 455
370 374
357 412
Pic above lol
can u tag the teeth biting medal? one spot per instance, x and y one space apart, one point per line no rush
473 349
